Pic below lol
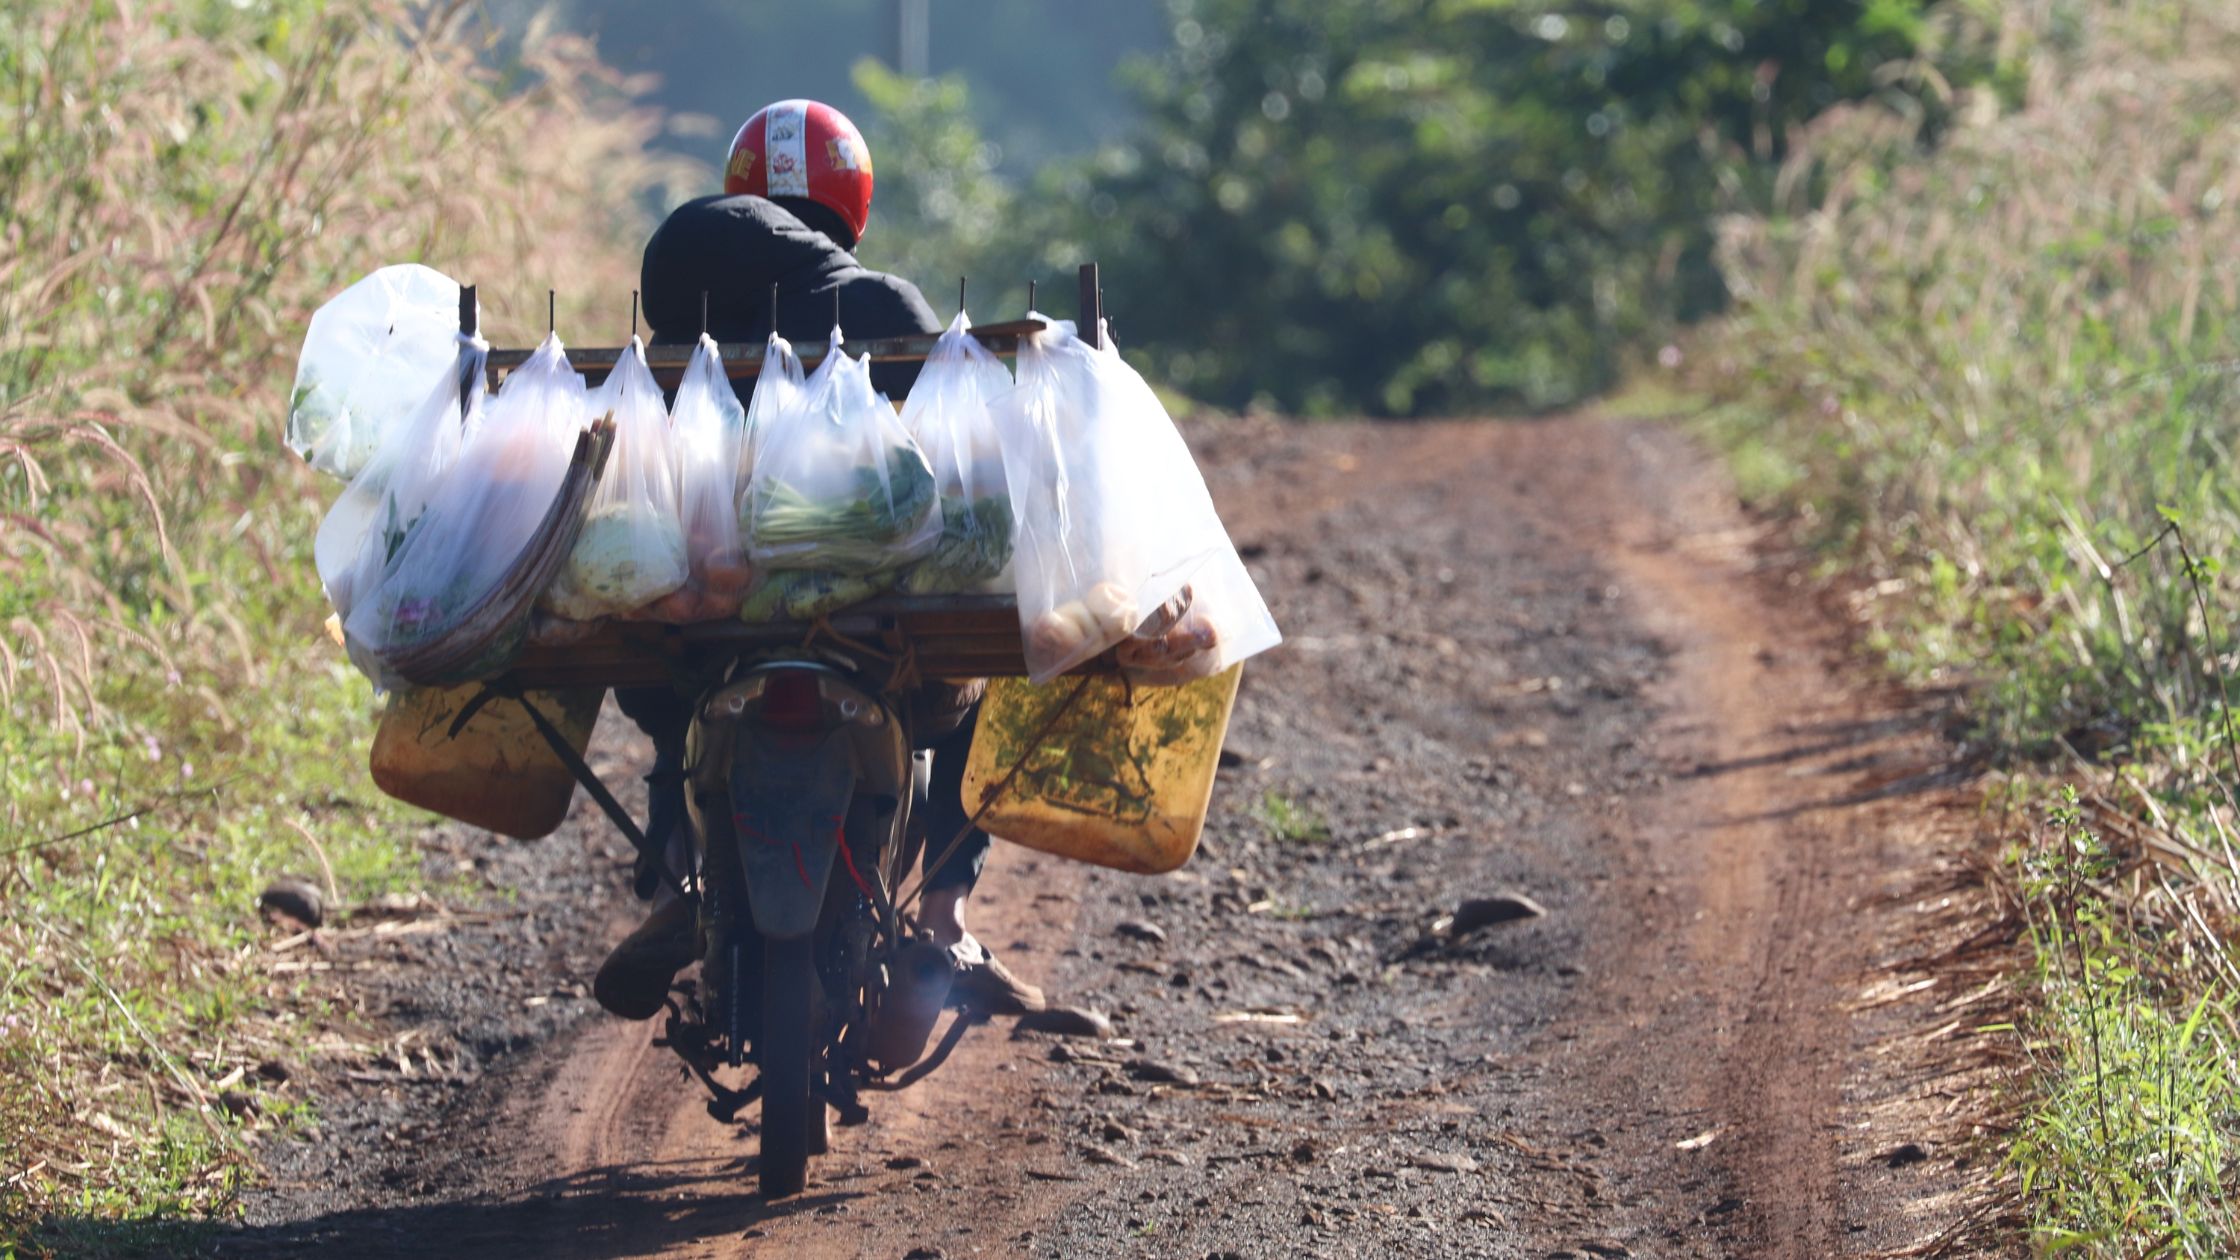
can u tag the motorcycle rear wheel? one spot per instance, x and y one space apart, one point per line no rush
787 1054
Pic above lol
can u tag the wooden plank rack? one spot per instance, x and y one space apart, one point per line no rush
942 636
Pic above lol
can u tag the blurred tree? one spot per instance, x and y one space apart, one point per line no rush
1041 73
1404 206
940 210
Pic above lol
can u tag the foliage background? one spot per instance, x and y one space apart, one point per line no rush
1391 207
1404 207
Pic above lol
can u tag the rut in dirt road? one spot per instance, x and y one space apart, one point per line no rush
1523 658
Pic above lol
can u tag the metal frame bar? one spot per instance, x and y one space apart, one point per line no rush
743 359
948 636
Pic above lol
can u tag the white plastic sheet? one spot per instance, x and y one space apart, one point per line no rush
380 505
371 355
481 518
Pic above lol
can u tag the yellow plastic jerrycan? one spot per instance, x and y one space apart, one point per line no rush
497 773
1120 778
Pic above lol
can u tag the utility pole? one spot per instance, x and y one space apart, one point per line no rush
913 37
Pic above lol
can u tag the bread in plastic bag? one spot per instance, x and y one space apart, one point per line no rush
947 412
707 432
1214 621
839 499
371 355
1113 521
481 519
631 551
370 518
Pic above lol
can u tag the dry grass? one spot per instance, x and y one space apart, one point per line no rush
2001 378
186 183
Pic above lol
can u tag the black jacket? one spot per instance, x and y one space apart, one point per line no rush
735 248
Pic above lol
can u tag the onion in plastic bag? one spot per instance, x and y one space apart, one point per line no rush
631 551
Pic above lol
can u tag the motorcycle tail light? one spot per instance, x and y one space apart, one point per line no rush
791 701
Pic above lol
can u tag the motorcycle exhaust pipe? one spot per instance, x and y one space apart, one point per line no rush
902 1019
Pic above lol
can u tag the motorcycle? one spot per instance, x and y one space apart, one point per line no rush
806 802
805 805
805 811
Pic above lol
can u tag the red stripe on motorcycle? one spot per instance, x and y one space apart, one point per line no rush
840 833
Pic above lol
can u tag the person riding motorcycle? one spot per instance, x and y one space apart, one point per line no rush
796 199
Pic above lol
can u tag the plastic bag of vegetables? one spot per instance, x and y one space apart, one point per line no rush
371 354
838 489
482 517
370 519
707 432
1113 522
631 551
777 388
947 412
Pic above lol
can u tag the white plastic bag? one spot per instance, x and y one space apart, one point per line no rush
1113 520
840 496
481 518
776 388
707 431
370 356
371 517
947 412
631 551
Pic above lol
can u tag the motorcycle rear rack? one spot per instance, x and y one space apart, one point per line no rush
743 359
940 636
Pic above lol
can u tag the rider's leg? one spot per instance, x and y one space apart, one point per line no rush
634 980
665 717
950 874
950 879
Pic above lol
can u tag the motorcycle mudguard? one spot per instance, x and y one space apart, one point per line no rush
788 805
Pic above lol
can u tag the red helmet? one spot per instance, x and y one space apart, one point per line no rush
803 149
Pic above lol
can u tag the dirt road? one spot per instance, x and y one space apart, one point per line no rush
1524 658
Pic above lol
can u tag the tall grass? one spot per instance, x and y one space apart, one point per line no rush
182 183
2129 1140
2001 378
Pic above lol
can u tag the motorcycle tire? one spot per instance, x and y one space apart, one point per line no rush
787 1054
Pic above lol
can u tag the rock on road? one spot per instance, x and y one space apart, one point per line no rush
1526 660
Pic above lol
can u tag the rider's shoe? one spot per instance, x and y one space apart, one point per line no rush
987 985
634 980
